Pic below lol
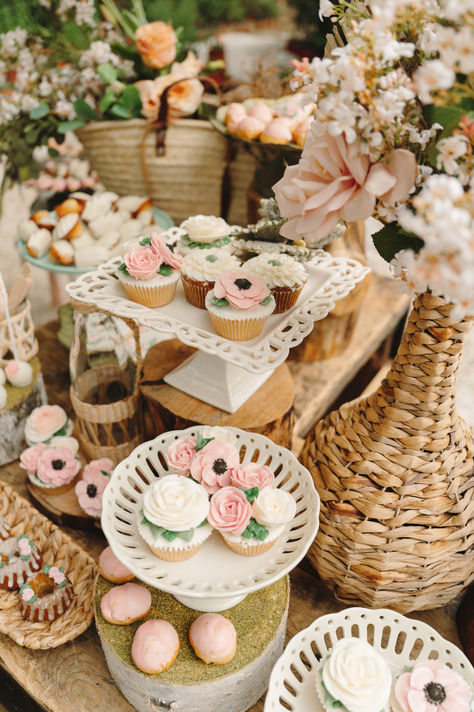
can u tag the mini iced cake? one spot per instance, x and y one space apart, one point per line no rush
112 569
204 232
430 686
19 558
125 604
282 274
251 520
173 517
239 305
213 638
354 678
200 270
149 272
47 595
52 468
46 422
155 646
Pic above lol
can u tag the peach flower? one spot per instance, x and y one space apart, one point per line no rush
252 475
189 67
229 511
150 97
334 180
165 253
142 263
156 44
241 289
181 453
183 98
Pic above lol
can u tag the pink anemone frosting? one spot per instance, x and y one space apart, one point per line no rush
242 290
229 511
432 687
211 465
57 465
90 488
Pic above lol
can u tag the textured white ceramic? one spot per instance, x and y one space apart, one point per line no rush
215 578
400 640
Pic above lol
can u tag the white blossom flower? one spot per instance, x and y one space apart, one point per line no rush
430 77
449 150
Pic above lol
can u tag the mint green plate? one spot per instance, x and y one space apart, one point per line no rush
161 218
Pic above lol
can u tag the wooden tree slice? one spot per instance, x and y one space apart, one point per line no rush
63 509
269 411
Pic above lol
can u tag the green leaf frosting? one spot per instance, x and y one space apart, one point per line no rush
255 530
201 442
145 241
165 270
220 302
123 268
251 494
275 263
211 258
157 531
205 245
267 300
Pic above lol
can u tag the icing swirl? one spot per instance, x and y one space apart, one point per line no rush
175 503
205 228
206 266
278 270
274 507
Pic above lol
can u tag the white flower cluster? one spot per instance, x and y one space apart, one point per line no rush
83 11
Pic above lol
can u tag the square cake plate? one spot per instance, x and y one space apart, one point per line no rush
225 373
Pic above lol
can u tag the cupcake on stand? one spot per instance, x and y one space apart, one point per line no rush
204 232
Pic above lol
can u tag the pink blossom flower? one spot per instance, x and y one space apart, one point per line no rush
334 180
24 546
29 458
57 575
142 262
252 475
432 687
181 453
167 256
241 289
57 465
89 491
211 465
229 511
104 464
27 594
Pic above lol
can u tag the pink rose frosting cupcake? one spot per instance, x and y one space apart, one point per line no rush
211 466
229 512
91 486
239 304
181 453
56 469
431 687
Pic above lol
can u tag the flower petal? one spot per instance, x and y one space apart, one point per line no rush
417 701
402 165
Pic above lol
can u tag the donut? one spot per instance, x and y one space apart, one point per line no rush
112 569
46 595
155 646
124 604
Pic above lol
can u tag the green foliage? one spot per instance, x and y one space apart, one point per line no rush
307 19
201 442
391 239
255 530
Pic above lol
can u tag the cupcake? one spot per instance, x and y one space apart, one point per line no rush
155 646
46 422
203 232
432 687
213 638
51 468
354 678
46 596
19 558
173 518
150 272
239 304
284 276
200 270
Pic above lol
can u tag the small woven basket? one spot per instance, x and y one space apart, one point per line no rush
395 475
58 549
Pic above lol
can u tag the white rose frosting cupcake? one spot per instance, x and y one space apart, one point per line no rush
284 276
45 422
356 676
204 232
173 519
200 270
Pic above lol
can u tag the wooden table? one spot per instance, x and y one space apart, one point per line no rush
74 677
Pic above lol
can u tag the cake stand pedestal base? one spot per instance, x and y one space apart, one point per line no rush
210 605
268 411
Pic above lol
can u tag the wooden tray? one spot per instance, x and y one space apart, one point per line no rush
59 549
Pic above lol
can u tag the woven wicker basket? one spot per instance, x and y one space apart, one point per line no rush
395 475
57 548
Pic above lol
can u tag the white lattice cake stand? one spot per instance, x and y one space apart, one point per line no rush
215 578
226 373
400 640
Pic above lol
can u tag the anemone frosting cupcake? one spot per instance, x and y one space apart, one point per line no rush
432 687
51 468
204 232
149 272
200 271
284 276
239 304
173 518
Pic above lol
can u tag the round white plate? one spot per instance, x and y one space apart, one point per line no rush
215 578
400 640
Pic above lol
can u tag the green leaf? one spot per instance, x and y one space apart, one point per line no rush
220 302
120 112
251 494
165 270
84 110
131 99
53 153
72 125
391 239
107 100
255 530
76 36
275 263
107 73
267 300
447 116
201 442
39 111
146 241
123 268
203 524
211 258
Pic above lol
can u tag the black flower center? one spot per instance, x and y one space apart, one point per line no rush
434 693
243 283
219 466
170 247
58 464
91 491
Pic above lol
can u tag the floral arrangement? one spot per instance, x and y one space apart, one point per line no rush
393 138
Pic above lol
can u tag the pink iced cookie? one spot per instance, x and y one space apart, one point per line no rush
112 569
155 646
262 112
277 131
213 638
250 128
124 604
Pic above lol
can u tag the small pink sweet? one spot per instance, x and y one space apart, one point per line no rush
250 128
142 262
301 131
27 594
103 464
155 646
112 569
229 511
57 465
89 491
252 475
12 368
432 687
181 453
241 289
167 256
24 546
29 458
211 465
234 115
124 604
262 112
57 575
277 131
213 638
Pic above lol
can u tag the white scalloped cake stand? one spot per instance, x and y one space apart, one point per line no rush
400 640
215 578
226 373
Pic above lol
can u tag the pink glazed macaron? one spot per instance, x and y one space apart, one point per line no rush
112 569
155 646
213 638
124 604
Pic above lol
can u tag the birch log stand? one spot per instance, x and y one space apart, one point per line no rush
268 412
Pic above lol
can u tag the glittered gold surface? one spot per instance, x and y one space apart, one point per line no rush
256 619
16 395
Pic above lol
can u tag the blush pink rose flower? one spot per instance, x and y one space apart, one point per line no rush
57 465
156 44
24 546
103 464
211 465
181 453
142 263
229 511
56 574
252 475
241 289
89 491
43 422
27 594
166 254
29 458
432 687
335 180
